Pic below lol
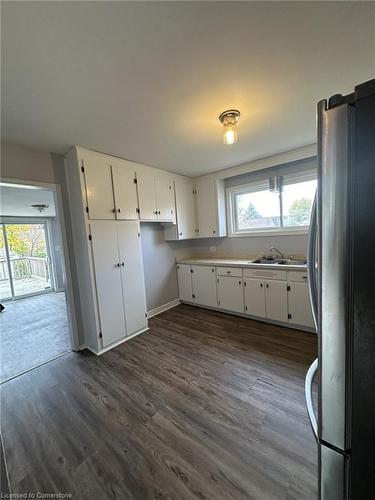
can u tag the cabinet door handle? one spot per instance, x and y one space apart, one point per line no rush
118 210
213 270
118 264
266 285
113 210
240 282
214 232
123 264
261 285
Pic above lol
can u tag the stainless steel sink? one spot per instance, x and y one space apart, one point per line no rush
292 262
266 260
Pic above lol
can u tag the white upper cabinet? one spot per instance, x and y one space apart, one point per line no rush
276 300
165 198
184 282
185 205
204 285
299 305
125 191
98 186
156 196
146 196
210 206
130 251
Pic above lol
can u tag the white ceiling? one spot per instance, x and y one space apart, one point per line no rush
147 80
17 201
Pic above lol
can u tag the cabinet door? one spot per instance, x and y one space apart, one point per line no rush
146 196
125 191
299 305
185 204
255 298
165 198
206 207
184 282
99 191
133 283
108 281
276 300
204 285
230 293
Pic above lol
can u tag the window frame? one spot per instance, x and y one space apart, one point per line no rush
231 193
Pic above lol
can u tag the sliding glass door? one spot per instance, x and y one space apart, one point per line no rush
25 264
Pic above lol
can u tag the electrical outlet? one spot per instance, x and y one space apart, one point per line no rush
212 249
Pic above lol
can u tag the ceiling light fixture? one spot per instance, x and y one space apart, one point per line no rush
40 207
229 119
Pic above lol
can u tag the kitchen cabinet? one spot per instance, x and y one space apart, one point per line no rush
204 285
165 202
230 293
125 191
133 286
156 197
110 189
107 267
255 297
210 207
107 248
185 206
299 305
184 282
98 188
276 300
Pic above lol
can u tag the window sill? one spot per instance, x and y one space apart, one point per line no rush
270 232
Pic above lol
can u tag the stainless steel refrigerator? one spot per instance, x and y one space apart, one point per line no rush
341 260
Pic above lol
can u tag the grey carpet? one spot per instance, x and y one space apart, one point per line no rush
32 331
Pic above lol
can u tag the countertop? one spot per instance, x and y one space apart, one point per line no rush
204 261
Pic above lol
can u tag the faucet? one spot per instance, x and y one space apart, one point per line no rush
276 250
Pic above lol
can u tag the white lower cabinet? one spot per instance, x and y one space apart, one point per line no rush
299 305
276 300
118 274
203 280
230 293
255 298
184 282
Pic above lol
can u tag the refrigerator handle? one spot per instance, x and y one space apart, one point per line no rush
308 396
311 263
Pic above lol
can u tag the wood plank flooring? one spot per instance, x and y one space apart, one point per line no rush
203 406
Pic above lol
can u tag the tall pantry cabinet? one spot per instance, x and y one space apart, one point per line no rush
107 246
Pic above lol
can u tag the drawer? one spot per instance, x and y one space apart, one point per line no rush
297 276
230 271
268 274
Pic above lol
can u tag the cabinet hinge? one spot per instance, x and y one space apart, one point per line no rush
289 316
137 210
90 237
288 288
87 209
100 335
135 180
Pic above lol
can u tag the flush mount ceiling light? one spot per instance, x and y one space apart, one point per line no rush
229 119
40 207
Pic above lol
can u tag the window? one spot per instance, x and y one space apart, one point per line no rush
255 207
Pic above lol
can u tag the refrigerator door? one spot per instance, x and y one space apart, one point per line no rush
333 476
333 272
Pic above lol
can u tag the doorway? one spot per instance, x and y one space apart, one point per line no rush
25 260
38 321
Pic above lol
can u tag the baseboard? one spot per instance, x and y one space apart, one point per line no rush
164 307
115 344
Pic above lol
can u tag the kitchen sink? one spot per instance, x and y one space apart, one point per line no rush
266 260
292 262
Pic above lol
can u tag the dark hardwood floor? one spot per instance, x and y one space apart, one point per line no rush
203 406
